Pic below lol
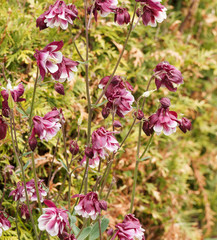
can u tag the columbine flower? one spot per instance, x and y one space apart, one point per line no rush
58 14
129 229
19 192
59 88
93 162
168 76
54 220
152 12
121 16
24 211
46 127
3 128
74 148
66 70
89 205
103 142
119 97
104 7
16 92
185 125
4 223
49 57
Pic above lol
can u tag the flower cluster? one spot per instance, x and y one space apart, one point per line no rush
54 220
46 127
119 96
4 223
58 14
129 229
19 193
89 205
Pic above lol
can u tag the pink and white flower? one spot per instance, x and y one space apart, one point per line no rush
129 229
4 223
93 162
152 12
54 220
104 7
89 205
49 57
16 92
47 127
118 94
58 14
19 193
103 142
66 70
167 76
122 16
3 128
24 211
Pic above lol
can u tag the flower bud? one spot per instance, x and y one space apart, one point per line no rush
165 102
5 109
105 112
89 152
146 128
110 232
59 88
74 148
117 124
185 125
139 115
103 204
33 143
3 128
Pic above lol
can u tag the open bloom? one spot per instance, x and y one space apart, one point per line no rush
118 95
104 7
54 220
49 57
66 70
3 128
152 12
16 92
129 229
4 223
19 192
58 14
121 16
168 76
89 205
47 127
93 162
103 142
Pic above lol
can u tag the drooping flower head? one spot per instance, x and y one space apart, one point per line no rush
46 127
19 192
4 223
167 76
129 229
104 7
185 125
103 142
49 57
66 70
122 16
54 220
24 211
151 12
93 162
89 205
3 128
16 92
118 95
58 14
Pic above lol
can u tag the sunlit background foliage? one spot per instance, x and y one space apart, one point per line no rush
176 193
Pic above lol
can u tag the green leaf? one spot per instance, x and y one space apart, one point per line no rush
27 153
63 164
99 104
85 233
95 230
22 112
25 167
143 159
75 229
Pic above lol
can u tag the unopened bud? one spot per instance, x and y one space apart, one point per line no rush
74 148
105 112
165 102
117 124
139 115
33 143
89 152
59 88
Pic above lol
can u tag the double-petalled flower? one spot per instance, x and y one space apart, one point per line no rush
4 223
58 14
122 16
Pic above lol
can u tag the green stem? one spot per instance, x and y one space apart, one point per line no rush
147 146
18 232
134 121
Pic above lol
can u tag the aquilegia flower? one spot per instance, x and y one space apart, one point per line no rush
54 220
118 95
16 92
103 142
49 57
19 192
185 125
66 70
168 76
121 16
93 162
58 14
4 223
129 229
24 211
151 12
89 205
3 128
104 7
